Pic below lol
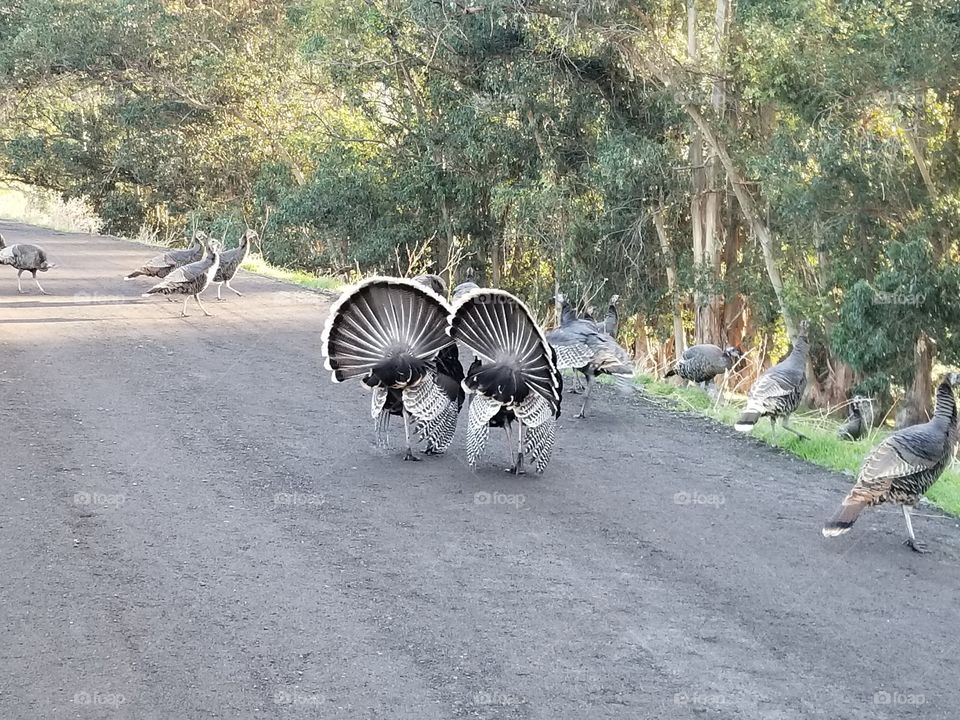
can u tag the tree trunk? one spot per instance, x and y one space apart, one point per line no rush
641 346
444 243
704 215
745 200
709 311
679 340
917 406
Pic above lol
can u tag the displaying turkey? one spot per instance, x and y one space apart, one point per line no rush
165 263
702 363
516 373
778 391
611 323
230 262
585 348
904 466
189 280
389 333
449 369
25 258
856 425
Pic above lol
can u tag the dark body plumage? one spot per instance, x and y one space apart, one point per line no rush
230 262
581 345
904 466
611 323
514 377
391 333
856 425
702 363
779 390
189 280
25 258
162 265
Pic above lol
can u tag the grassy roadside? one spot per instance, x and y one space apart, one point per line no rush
33 206
823 448
259 266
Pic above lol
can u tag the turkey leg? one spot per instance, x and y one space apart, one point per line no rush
586 396
912 541
42 291
517 468
197 298
406 431
786 426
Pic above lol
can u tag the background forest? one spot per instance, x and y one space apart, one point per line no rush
727 167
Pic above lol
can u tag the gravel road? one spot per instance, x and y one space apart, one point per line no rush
195 523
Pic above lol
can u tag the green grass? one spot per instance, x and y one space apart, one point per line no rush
823 448
256 264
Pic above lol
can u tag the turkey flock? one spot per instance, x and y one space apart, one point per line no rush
186 272
403 339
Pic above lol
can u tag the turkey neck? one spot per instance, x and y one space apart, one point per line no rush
946 409
798 355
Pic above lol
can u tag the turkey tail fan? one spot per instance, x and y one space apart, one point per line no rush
516 356
844 519
388 327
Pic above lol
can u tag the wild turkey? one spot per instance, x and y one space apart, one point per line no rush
856 425
904 466
389 332
611 323
568 315
434 282
582 346
463 288
567 312
165 263
189 280
778 391
516 374
702 363
25 258
230 262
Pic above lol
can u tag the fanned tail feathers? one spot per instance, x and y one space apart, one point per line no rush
388 327
517 358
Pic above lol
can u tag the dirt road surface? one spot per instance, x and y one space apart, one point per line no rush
195 523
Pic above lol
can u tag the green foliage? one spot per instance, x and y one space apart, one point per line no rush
881 319
534 143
